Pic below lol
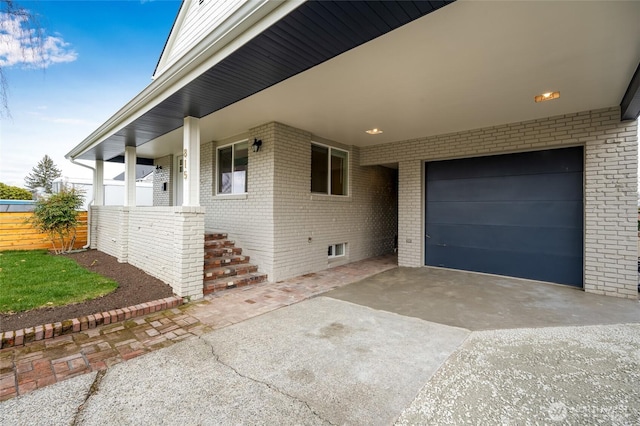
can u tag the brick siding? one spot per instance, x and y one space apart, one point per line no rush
247 219
306 224
283 227
109 225
165 242
410 220
161 176
286 229
611 160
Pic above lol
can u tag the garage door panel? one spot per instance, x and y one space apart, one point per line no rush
543 267
532 240
527 163
512 188
517 214
562 214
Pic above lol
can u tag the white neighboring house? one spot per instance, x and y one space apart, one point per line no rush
113 190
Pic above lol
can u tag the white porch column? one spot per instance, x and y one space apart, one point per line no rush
191 152
129 175
98 184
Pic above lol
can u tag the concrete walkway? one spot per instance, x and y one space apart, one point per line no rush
26 368
332 361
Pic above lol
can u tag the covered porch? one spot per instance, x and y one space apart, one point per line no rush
427 78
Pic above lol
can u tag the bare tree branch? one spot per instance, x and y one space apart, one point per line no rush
33 30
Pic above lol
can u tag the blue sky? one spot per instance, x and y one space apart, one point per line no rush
100 54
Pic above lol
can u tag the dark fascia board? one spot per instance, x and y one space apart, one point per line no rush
630 105
139 160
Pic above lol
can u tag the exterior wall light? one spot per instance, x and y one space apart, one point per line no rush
257 144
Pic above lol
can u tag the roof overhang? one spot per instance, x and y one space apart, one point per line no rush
630 105
205 55
338 68
302 36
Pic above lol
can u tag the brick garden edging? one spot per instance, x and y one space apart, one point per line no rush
48 331
42 363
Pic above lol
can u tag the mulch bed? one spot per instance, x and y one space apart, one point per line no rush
135 287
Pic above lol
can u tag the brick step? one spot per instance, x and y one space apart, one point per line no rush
232 282
222 252
215 262
215 236
218 243
211 274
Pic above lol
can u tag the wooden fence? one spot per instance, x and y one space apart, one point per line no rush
16 234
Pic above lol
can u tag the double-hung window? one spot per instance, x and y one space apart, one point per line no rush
233 165
329 170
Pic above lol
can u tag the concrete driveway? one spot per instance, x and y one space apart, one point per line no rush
344 359
485 302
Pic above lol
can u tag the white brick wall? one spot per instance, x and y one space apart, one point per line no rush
274 221
410 223
366 220
161 176
109 225
611 205
165 242
286 229
611 160
248 219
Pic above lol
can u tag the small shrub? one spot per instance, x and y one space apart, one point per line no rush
57 216
8 192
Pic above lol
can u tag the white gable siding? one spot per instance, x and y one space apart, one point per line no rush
198 21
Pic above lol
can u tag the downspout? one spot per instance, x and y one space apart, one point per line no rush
93 170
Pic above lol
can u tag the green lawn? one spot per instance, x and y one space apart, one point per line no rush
33 279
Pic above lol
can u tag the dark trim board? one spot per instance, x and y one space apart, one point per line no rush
630 105
518 215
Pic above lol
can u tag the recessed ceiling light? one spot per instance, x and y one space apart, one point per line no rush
374 131
547 96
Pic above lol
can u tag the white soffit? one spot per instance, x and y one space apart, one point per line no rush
469 65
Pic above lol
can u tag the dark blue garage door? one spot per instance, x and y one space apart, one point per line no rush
519 215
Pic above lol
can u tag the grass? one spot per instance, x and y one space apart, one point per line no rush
34 279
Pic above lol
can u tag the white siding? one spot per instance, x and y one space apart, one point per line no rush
199 20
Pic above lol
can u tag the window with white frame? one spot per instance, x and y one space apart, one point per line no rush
329 170
233 165
337 250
